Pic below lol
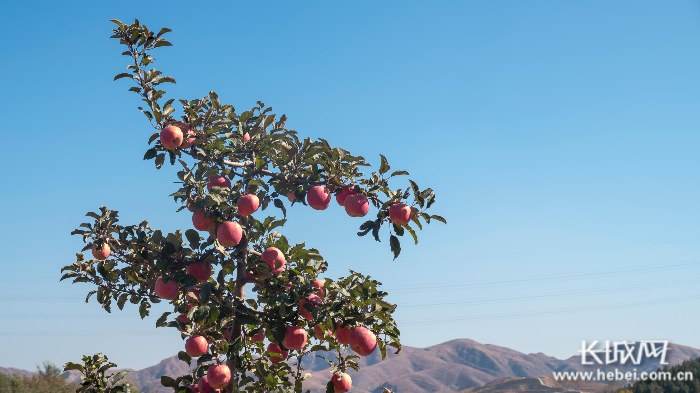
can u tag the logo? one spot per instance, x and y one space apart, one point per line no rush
622 352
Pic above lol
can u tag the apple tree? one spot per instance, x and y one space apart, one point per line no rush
238 174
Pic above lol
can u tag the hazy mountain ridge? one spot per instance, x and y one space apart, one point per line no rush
451 366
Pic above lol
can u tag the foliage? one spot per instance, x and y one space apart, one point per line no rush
674 385
95 378
256 153
48 378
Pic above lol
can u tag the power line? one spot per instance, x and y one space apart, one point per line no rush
556 277
551 312
520 254
505 299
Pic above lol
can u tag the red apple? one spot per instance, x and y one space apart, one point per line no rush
246 137
205 387
315 301
229 234
200 270
274 257
219 376
256 336
248 204
295 338
319 284
202 222
400 214
189 138
196 346
318 197
362 341
344 193
342 382
171 137
342 333
276 349
167 290
194 388
356 205
218 181
101 254
291 196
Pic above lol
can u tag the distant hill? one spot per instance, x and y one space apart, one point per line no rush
11 370
451 366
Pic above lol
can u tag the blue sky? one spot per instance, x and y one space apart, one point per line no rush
561 139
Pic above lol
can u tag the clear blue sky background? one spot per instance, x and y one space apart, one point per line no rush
561 137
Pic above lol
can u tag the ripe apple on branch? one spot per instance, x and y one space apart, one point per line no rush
236 167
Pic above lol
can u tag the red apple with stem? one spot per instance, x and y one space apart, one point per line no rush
362 341
167 290
200 270
218 181
274 348
400 214
356 205
101 254
318 197
171 137
256 336
344 193
319 284
203 223
295 338
219 376
315 301
205 387
247 204
196 346
341 382
229 234
274 258
342 333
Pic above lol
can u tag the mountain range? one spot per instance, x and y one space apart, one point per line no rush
452 366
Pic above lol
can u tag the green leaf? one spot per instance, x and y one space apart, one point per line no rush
192 237
395 246
278 203
398 173
430 201
122 300
384 167
439 218
88 296
143 309
205 292
413 233
182 355
160 159
150 154
163 31
118 376
168 382
330 388
123 75
162 43
72 366
162 319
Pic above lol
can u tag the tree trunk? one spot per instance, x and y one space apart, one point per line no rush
239 295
